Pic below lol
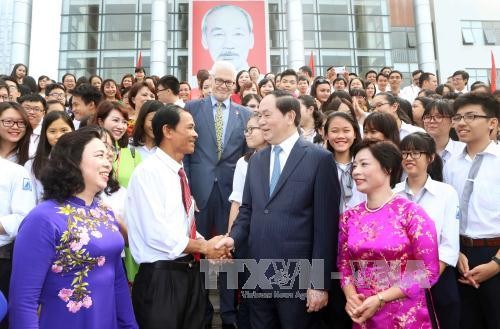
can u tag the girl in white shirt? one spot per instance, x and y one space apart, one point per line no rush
424 186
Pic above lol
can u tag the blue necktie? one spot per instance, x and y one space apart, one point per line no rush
276 168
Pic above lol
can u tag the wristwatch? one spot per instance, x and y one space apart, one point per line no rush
496 260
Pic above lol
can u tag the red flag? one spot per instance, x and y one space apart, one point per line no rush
139 60
493 82
311 63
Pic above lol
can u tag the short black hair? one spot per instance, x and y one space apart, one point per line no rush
442 106
352 121
151 106
33 97
88 94
53 86
306 69
319 81
288 72
140 69
68 75
414 73
382 75
397 72
170 82
285 102
387 154
62 177
303 78
370 71
487 102
463 74
423 142
384 123
169 115
425 76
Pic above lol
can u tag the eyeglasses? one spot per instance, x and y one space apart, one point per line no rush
4 98
415 155
249 130
228 83
160 90
437 118
56 95
10 123
376 106
468 117
33 109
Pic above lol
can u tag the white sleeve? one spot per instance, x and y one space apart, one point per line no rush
449 246
149 216
240 174
22 200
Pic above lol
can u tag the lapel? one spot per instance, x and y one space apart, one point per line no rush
207 112
297 153
266 158
232 122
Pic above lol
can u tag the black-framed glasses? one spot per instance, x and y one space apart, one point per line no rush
57 95
249 130
33 109
468 117
7 123
160 90
376 106
437 118
219 82
415 155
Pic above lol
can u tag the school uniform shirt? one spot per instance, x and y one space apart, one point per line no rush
17 198
158 226
37 185
357 197
452 148
410 92
34 139
145 152
440 202
240 173
407 129
483 208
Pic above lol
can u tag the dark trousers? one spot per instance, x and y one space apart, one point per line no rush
210 221
285 313
446 300
168 295
480 308
334 316
5 271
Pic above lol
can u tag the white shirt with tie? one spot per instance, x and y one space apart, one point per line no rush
484 204
158 226
286 149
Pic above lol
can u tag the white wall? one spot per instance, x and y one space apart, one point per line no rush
451 54
45 36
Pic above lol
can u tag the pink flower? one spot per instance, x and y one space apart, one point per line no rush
65 294
75 246
73 306
87 302
101 260
56 268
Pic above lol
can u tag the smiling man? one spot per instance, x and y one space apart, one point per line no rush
35 106
227 33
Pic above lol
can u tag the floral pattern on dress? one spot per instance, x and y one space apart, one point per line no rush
72 255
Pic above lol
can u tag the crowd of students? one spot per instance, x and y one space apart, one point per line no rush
415 169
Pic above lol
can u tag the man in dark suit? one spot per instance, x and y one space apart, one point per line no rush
220 125
290 211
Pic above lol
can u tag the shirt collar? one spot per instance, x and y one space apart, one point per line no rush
227 102
38 129
288 143
492 149
430 186
167 160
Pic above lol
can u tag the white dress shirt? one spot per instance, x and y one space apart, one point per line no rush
17 198
240 173
144 151
407 129
158 226
440 202
34 139
484 204
452 148
37 185
286 148
410 92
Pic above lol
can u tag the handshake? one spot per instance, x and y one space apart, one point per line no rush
219 247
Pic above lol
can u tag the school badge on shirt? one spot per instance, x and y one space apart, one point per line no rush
27 184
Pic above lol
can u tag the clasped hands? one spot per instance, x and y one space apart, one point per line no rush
478 274
218 247
360 308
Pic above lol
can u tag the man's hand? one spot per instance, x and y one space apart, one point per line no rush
482 273
316 300
211 252
225 242
463 267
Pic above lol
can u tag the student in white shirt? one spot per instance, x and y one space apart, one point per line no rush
424 186
17 198
36 107
342 133
387 103
479 259
162 231
142 136
437 122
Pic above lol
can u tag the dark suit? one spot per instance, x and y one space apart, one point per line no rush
211 179
298 221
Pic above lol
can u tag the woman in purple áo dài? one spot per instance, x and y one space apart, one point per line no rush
67 270
388 253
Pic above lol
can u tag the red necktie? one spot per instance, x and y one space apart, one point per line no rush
186 200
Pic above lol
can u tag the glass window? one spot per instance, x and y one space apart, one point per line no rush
181 39
333 6
85 8
183 7
335 39
329 60
369 23
89 64
145 22
398 39
145 38
307 6
334 23
119 22
79 41
146 8
371 40
119 40
275 38
366 63
120 8
368 7
467 37
309 39
489 37
412 40
182 22
273 8
308 21
80 23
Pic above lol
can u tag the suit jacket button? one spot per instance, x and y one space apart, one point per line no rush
266 211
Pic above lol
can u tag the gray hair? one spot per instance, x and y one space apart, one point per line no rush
220 7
